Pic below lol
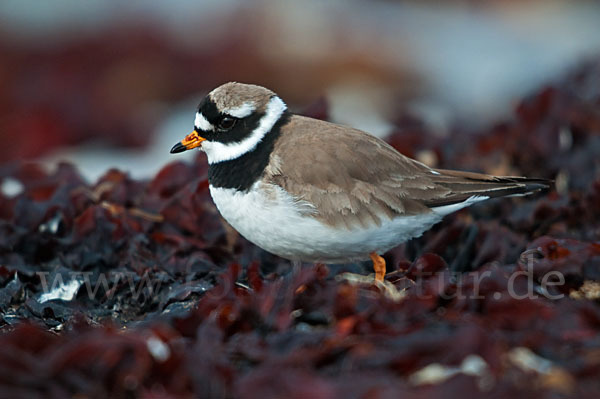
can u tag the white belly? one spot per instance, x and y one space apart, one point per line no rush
270 218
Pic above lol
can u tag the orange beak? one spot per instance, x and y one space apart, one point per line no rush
190 141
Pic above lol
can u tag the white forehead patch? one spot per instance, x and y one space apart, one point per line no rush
200 123
242 111
219 152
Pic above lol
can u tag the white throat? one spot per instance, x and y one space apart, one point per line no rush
219 152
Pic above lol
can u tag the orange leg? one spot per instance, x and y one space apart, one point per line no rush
378 265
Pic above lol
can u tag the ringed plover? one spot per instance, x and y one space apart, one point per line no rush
314 191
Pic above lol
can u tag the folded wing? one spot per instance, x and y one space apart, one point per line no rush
354 179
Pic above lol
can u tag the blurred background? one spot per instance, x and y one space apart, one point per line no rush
107 83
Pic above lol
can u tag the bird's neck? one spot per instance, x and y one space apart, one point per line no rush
242 172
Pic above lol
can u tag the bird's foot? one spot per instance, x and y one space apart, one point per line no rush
387 288
378 266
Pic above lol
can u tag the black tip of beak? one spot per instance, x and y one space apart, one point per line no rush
178 148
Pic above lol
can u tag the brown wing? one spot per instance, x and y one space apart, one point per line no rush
352 178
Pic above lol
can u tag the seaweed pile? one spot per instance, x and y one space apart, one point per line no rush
126 288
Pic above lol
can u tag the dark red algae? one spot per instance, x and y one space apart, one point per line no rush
127 288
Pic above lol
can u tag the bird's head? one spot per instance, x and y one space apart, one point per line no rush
231 120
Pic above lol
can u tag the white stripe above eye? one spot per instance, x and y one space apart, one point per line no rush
242 111
200 123
219 152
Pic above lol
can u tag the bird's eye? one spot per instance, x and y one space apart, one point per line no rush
226 123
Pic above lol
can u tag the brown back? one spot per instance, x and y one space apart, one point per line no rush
355 179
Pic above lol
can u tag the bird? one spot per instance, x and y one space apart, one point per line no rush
309 190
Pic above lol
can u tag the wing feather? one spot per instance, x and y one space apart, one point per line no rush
355 179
